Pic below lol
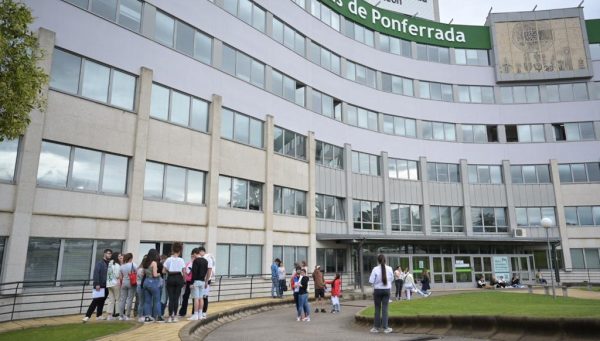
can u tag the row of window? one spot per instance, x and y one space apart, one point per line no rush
240 193
290 255
127 13
242 66
289 201
290 143
583 216
241 128
329 155
329 207
248 12
173 183
179 108
585 258
324 57
544 93
239 259
363 163
579 172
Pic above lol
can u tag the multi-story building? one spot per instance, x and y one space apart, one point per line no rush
327 131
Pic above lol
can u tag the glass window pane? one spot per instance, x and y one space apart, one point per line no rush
159 106
524 133
199 117
130 14
580 92
278 140
239 194
577 258
445 216
76 259
516 175
564 172
223 259
241 130
202 47
95 81
537 133
543 174
114 178
195 187
175 183
289 201
254 260
593 171
180 108
596 213
529 175
153 180
571 216
475 92
463 94
237 265
42 259
54 164
289 146
123 90
473 179
228 60
227 124
549 212
8 159
65 71
496 174
184 41
255 196
521 214
578 171
224 191
587 131
243 66
565 92
534 216
500 217
506 94
105 8
258 20
86 169
300 203
585 216
258 74
533 94
453 173
256 133
164 27
484 174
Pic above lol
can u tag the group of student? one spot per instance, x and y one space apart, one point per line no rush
405 282
515 282
157 283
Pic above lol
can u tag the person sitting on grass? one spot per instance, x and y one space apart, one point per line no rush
481 282
501 283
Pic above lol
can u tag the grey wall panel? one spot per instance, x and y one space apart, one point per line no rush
367 187
536 195
446 194
487 195
330 181
405 192
331 227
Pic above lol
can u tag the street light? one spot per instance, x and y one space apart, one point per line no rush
547 224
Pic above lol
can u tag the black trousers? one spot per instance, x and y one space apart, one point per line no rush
174 285
399 283
97 304
185 299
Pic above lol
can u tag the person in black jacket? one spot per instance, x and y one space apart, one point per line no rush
201 273
99 282
303 296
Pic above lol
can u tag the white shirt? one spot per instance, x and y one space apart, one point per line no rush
174 264
376 277
211 264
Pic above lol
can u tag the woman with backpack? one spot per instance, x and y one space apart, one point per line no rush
128 288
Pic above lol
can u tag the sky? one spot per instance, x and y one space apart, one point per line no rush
474 12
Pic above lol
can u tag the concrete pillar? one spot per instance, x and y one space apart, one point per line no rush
19 232
138 163
212 179
510 202
464 181
426 216
561 221
501 133
349 191
268 195
312 196
385 178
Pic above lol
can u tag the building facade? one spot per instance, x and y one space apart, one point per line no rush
306 131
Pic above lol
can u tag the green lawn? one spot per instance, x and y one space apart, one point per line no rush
66 332
586 288
494 303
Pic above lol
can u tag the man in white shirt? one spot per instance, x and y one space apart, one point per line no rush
211 268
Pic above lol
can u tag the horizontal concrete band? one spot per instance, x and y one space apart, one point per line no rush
494 327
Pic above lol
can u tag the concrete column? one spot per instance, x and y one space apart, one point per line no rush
217 54
385 178
549 132
138 163
212 179
268 195
561 221
459 133
349 191
464 181
501 133
510 202
19 232
425 216
312 193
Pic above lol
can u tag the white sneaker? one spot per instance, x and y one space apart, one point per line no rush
110 318
194 317
100 318
121 318
174 319
306 319
387 330
169 319
141 319
85 319
125 318
203 315
374 330
298 319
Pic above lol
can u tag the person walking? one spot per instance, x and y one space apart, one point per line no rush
128 289
336 291
281 277
398 282
304 306
319 288
381 278
275 278
187 272
152 288
174 267
200 277
113 284
425 283
410 286
99 283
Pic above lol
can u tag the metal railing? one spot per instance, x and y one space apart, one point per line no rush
33 299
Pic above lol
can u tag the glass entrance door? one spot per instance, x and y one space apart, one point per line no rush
521 267
419 263
442 272
483 266
395 261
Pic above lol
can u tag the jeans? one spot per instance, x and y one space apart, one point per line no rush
174 284
381 298
127 293
184 299
97 304
399 283
281 286
152 297
275 287
139 299
303 305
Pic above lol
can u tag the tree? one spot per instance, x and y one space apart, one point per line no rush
21 80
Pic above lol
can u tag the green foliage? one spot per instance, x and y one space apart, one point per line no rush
67 332
21 80
494 302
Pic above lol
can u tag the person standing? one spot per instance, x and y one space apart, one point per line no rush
174 267
275 278
200 277
303 296
381 278
211 268
281 277
398 282
336 291
139 290
152 287
128 289
188 283
295 287
113 284
99 283
319 288
425 286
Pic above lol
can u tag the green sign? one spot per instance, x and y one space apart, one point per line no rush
593 30
410 28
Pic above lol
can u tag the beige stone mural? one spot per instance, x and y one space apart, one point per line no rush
534 47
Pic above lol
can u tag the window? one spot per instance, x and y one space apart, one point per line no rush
574 131
323 57
532 216
479 133
399 126
324 13
475 94
51 260
585 258
178 108
583 172
362 118
82 169
105 8
329 155
595 51
290 143
489 219
332 260
242 66
432 53
361 74
396 84
239 260
443 172
172 183
530 174
364 163
130 14
406 218
484 174
403 169
240 193
97 82
288 88
288 37
366 215
248 12
549 93
164 29
436 91
438 131
525 133
326 105
290 255
241 128
359 33
329 207
471 57
9 150
447 219
583 216
395 45
289 201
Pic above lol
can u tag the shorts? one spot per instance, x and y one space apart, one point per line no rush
320 293
198 289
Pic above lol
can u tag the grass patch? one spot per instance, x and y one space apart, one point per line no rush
494 303
597 289
66 332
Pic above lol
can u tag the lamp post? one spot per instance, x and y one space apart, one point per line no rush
547 224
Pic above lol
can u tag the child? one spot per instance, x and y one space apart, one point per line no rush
336 290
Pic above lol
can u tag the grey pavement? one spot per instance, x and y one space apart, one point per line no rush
280 323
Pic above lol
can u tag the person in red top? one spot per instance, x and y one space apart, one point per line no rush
336 291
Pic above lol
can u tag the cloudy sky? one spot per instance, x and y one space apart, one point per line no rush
474 12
